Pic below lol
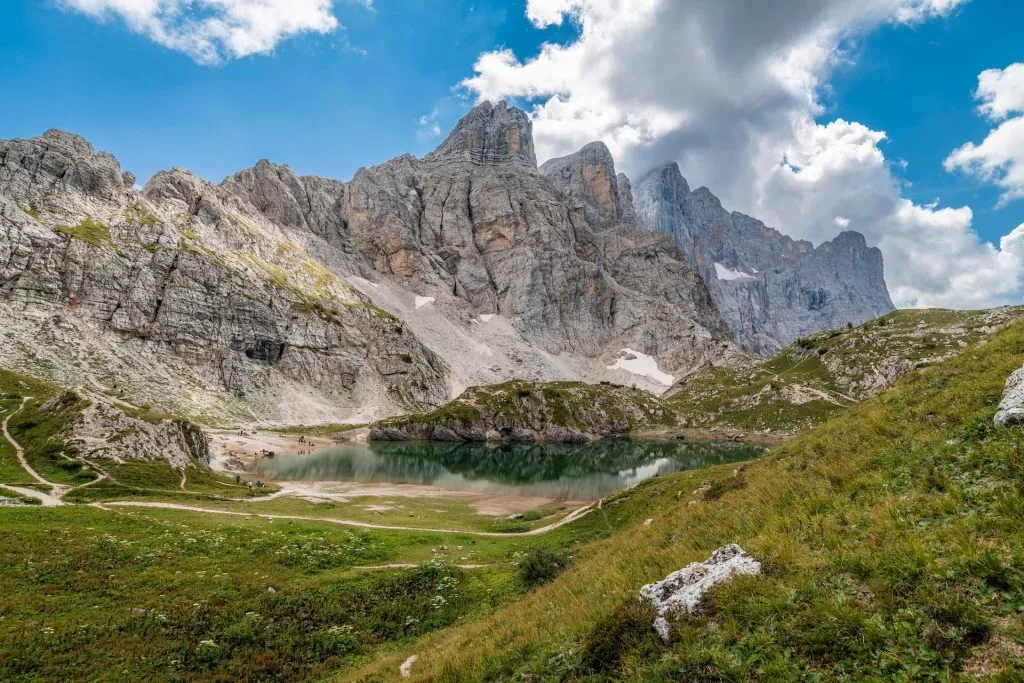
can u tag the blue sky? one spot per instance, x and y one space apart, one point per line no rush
324 104
915 83
365 80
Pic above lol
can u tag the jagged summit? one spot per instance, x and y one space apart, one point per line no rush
490 134
588 176
771 289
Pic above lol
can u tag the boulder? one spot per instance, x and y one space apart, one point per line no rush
683 590
1011 407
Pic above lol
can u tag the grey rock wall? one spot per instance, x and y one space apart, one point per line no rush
770 288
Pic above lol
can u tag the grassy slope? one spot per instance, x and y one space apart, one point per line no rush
39 433
70 578
819 376
891 545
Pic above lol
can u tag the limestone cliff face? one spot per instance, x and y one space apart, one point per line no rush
769 288
273 296
182 296
588 178
476 223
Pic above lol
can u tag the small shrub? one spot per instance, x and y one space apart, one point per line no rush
540 565
626 630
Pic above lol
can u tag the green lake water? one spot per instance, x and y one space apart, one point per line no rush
564 471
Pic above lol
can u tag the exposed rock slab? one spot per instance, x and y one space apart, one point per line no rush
1011 407
683 590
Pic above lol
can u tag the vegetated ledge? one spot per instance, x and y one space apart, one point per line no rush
527 412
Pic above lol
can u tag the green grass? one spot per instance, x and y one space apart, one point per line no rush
818 377
72 579
891 545
90 231
137 213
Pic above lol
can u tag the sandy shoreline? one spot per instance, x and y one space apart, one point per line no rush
232 452
246 446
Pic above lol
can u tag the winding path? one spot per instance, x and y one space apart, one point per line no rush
568 519
57 492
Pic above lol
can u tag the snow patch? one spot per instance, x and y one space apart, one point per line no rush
487 317
725 273
641 364
422 301
683 590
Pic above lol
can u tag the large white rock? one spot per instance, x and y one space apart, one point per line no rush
1011 407
683 590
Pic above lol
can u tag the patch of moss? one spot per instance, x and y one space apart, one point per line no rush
90 231
137 213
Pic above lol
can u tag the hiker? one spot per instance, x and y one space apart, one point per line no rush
249 484
238 478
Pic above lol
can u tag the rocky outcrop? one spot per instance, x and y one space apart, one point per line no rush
476 227
588 179
525 412
683 590
769 288
821 375
183 296
105 431
1011 406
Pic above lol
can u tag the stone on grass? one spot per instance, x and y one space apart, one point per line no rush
683 590
1011 407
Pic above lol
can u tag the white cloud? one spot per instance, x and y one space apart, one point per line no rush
999 158
730 90
1001 91
211 31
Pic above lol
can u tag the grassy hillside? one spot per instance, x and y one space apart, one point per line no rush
818 377
532 411
43 419
891 545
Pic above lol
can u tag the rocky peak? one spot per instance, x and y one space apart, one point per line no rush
659 198
58 162
770 288
275 190
588 176
69 144
490 134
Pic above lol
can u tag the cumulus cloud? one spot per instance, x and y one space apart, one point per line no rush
999 158
211 31
731 90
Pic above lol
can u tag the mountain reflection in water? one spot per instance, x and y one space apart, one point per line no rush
563 471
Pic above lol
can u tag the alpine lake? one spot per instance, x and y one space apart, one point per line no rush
559 471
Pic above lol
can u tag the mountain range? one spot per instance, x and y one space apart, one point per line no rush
278 297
